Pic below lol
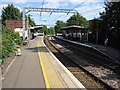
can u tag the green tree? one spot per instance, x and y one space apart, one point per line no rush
51 31
77 20
110 20
59 25
7 42
31 22
11 13
45 30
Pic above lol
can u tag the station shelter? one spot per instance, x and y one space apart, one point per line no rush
34 30
77 33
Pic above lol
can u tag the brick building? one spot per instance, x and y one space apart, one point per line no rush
12 24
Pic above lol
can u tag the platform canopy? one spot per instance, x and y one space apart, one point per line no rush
34 29
74 27
76 33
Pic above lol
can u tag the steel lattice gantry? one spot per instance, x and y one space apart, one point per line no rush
52 10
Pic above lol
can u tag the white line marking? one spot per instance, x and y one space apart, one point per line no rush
67 71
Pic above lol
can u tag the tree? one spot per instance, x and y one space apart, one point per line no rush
77 20
31 22
110 20
44 29
51 31
11 13
59 25
7 42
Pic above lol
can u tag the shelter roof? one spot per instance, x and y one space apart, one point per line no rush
36 27
73 27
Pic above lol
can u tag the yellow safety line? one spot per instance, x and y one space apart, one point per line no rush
43 69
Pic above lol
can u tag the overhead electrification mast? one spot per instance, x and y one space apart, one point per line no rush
52 10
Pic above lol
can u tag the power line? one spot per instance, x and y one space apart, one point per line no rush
92 10
89 10
58 17
80 4
42 3
63 3
41 12
65 16
52 10
61 16
49 16
73 9
92 15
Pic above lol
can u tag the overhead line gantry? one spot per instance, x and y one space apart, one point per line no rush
52 10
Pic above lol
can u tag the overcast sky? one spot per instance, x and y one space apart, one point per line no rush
88 8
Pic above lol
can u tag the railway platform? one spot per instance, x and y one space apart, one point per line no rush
106 50
39 68
55 74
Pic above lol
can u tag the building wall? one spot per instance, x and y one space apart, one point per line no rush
20 31
13 24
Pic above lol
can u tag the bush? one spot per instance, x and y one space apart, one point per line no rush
7 47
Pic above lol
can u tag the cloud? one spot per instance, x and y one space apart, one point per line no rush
82 9
52 5
15 1
1 7
19 8
70 1
91 9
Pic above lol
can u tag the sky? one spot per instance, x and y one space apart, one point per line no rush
89 9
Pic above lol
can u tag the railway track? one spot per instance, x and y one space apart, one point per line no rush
101 60
107 71
89 80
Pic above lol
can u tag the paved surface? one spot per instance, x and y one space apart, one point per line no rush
112 52
38 68
26 71
57 76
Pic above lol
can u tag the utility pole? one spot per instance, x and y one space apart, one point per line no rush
23 24
28 25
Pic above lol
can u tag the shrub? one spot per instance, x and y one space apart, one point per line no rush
7 47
